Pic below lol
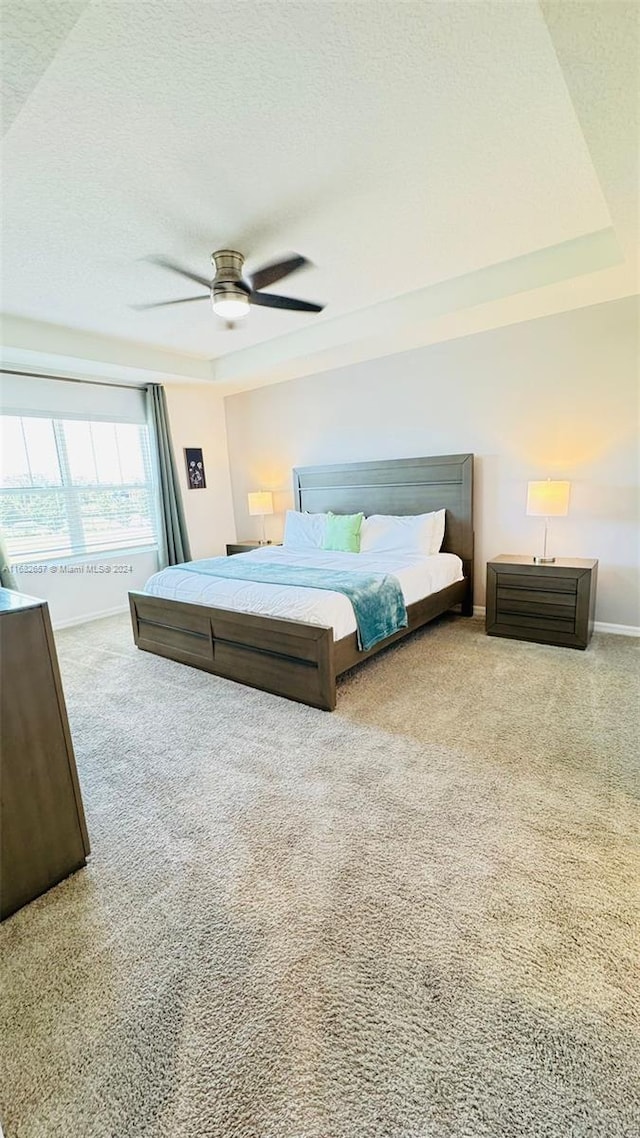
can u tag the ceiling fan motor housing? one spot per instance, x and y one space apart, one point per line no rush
228 283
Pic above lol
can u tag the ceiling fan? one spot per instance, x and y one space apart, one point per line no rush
231 293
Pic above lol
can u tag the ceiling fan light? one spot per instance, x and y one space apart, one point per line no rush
230 307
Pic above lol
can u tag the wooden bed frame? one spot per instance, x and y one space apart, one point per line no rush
301 661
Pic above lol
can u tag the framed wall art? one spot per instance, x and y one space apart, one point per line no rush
195 468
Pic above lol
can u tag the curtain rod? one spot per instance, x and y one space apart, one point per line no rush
70 379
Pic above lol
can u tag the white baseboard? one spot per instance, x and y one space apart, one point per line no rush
599 625
58 624
616 629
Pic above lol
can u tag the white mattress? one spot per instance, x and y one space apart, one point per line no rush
418 577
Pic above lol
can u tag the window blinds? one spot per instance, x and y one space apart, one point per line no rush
71 399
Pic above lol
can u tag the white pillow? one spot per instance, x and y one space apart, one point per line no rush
412 533
437 534
304 531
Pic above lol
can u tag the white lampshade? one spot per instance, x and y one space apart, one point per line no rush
260 502
548 499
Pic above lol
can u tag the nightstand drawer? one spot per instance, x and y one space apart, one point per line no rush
247 546
241 547
538 607
543 583
522 620
535 601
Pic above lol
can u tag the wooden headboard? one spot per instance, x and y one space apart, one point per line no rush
397 486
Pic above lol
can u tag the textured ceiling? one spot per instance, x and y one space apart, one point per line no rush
32 32
398 145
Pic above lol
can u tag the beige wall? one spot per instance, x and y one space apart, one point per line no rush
555 397
196 419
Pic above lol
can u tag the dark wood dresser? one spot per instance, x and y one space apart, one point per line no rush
43 834
551 604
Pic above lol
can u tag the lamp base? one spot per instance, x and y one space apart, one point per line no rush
544 560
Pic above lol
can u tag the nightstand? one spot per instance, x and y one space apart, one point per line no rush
247 546
551 604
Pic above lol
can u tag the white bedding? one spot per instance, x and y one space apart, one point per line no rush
418 577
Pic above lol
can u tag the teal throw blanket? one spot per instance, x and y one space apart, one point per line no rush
377 598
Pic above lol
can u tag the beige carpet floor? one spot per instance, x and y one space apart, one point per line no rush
414 918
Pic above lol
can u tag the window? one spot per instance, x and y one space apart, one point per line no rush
73 487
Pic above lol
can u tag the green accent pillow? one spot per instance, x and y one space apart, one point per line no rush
343 532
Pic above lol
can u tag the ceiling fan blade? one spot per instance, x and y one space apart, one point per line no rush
269 274
269 300
166 303
165 263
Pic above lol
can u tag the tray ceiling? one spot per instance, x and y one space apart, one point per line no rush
397 145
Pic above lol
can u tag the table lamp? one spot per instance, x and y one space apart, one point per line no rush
547 500
260 503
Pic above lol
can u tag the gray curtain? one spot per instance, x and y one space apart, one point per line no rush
7 579
173 539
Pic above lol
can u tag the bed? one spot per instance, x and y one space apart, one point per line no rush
293 655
